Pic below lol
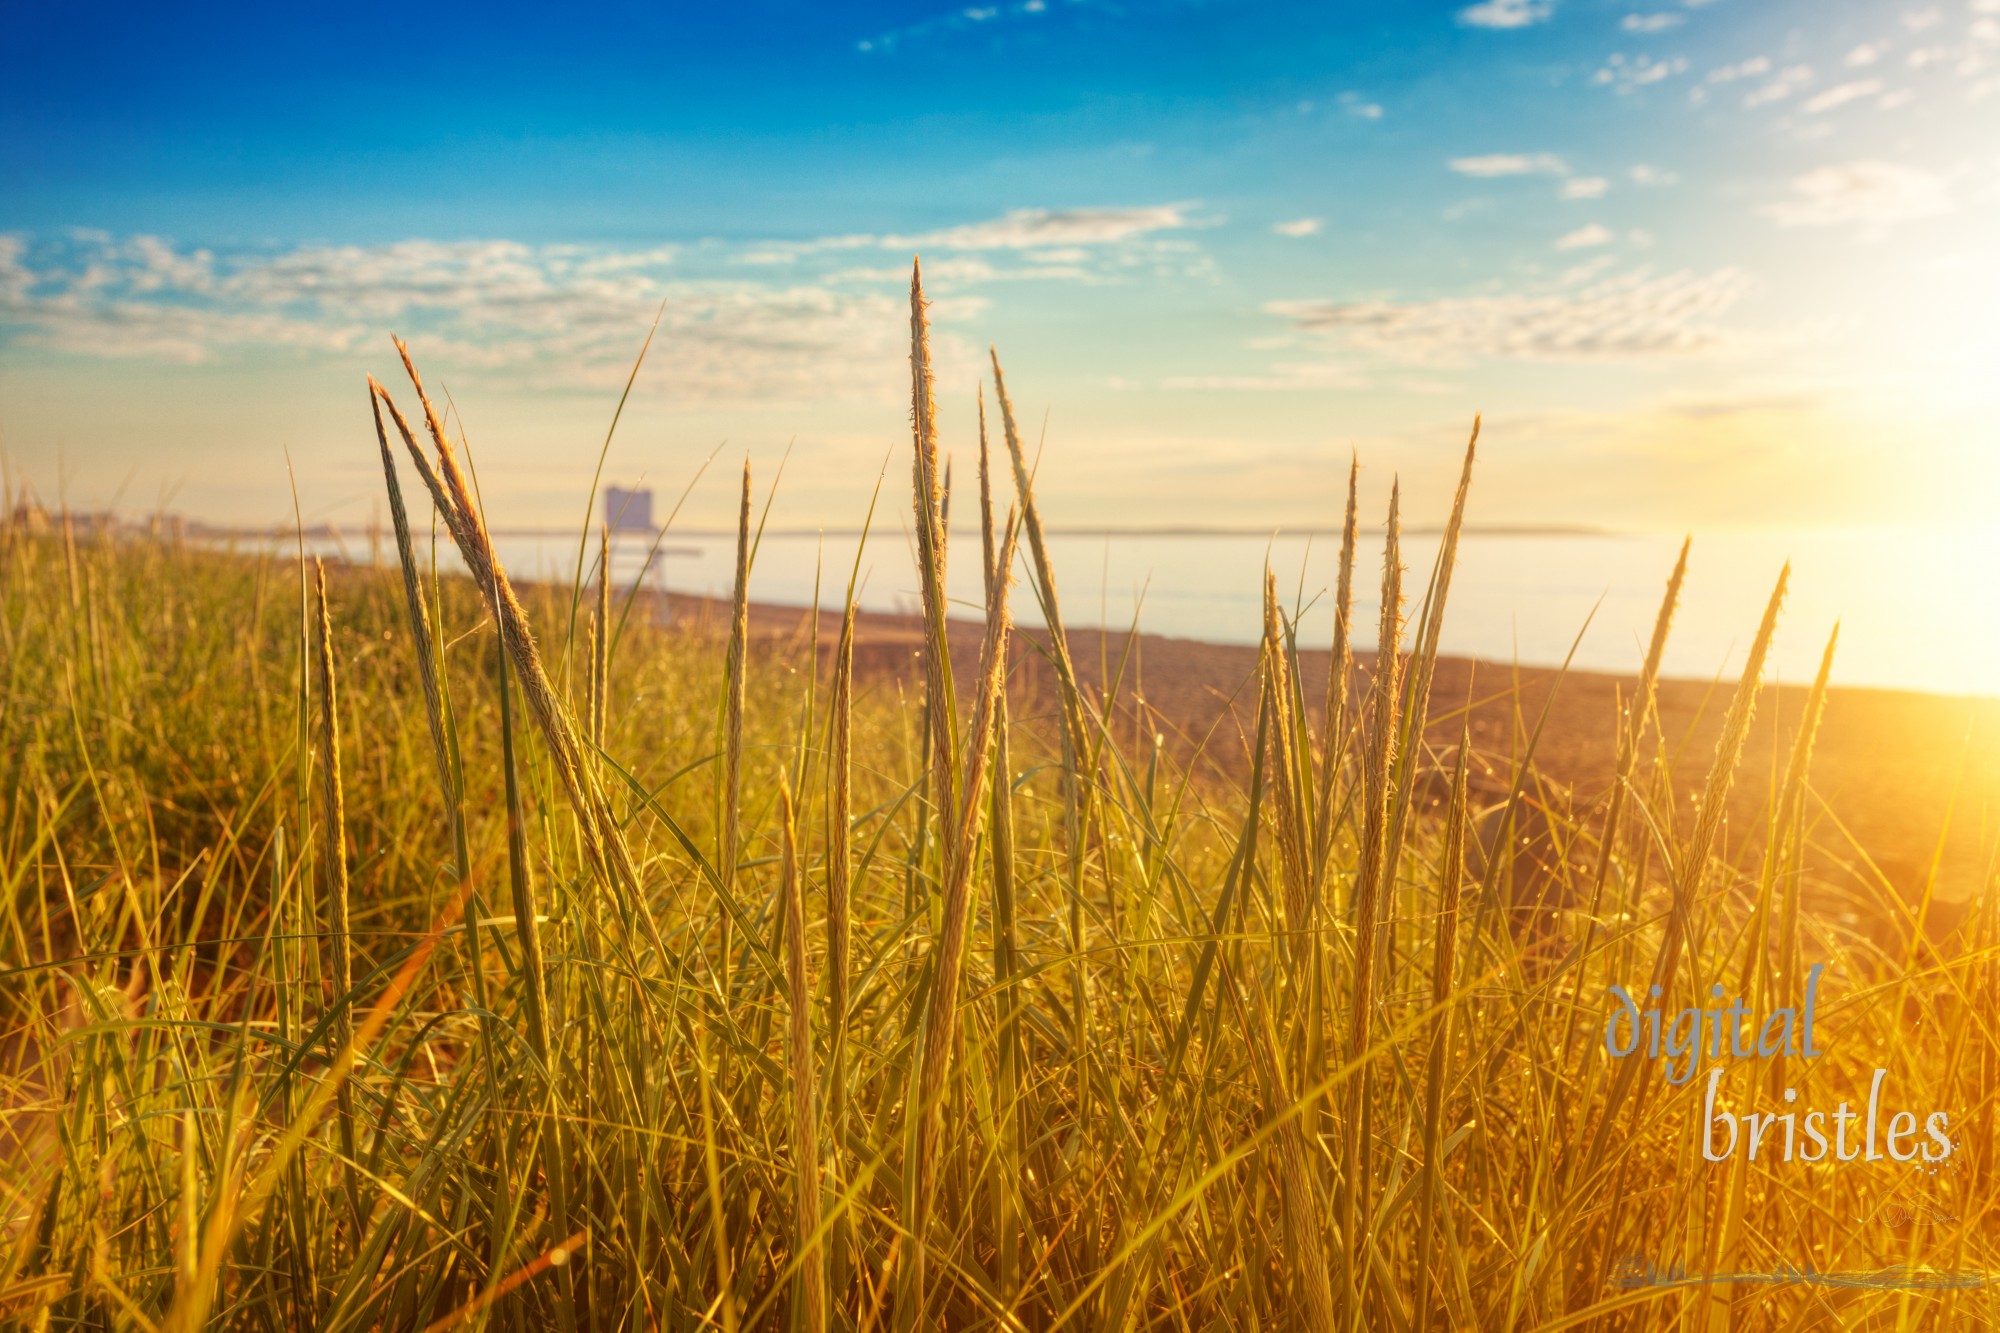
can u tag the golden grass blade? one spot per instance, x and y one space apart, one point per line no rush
1633 736
453 498
1288 815
1787 832
729 795
333 852
805 1102
1356 1138
600 657
840 918
1045 575
1006 943
1305 1221
534 989
420 618
1079 768
1444 962
1694 860
926 500
1340 671
985 501
1630 739
1691 861
941 1019
1424 654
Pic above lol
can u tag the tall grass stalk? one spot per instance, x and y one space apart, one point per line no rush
1444 965
1370 886
333 866
1074 735
800 1058
729 784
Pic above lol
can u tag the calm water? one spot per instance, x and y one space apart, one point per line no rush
1917 611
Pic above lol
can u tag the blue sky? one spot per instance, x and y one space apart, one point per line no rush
1716 265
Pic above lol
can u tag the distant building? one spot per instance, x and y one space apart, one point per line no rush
628 510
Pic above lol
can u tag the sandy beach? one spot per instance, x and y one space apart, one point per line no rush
1899 779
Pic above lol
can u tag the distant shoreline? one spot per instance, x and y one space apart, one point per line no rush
203 531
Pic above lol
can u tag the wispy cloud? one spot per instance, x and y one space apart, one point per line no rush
1790 80
963 19
1627 74
1840 95
1647 174
1742 69
1867 193
1298 227
1083 245
1029 228
1507 13
1585 237
1634 316
777 319
1024 229
1584 187
1510 164
552 316
1650 23
1354 104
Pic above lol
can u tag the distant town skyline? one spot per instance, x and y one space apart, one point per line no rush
1701 265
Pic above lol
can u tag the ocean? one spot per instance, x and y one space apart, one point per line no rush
1917 610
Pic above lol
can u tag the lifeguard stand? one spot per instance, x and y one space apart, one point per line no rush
628 510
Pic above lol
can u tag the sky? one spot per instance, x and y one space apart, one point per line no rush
1715 266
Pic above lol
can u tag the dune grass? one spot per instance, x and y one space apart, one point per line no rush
431 952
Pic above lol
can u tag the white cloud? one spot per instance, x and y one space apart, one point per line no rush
1742 69
1865 54
1585 187
1028 228
1627 74
1645 174
1841 94
1648 23
1790 80
952 274
1507 13
759 320
1108 238
1865 193
553 315
960 20
1916 20
1510 164
1297 227
1357 105
1584 238
1634 316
